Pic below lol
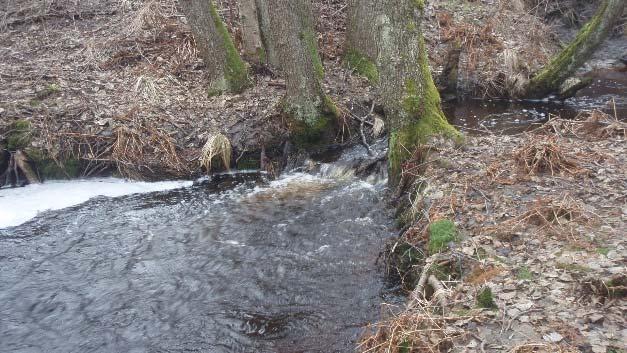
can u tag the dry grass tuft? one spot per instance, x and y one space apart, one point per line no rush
412 331
150 17
219 146
601 125
543 154
548 214
144 150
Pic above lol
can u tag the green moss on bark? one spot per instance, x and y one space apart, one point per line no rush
309 38
362 65
565 64
236 71
312 121
421 107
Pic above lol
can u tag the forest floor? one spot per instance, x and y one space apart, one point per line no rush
117 86
541 219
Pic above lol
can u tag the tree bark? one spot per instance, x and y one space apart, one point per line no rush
564 65
252 47
294 39
264 25
361 49
227 71
409 96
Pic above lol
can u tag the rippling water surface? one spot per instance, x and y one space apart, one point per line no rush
285 266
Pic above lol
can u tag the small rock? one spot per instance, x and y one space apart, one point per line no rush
594 318
553 337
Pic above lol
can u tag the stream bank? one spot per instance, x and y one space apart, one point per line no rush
536 260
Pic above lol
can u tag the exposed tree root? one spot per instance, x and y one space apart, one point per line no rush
19 171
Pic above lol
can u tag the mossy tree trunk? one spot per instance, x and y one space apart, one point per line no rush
362 30
409 96
252 47
227 72
292 34
565 64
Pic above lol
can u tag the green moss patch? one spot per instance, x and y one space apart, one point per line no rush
48 168
524 274
441 233
485 299
362 65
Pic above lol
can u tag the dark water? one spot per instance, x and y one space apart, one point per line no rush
288 266
607 92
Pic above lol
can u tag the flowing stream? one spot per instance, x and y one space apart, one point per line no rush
236 264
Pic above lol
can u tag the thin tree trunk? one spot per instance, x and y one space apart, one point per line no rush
227 71
361 50
263 14
252 47
565 64
294 39
410 98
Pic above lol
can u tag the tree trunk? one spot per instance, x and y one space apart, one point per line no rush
264 26
361 50
409 96
252 47
227 71
565 64
294 39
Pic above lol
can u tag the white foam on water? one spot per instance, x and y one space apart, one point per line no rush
19 205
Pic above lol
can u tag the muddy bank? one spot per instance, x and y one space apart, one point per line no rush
536 258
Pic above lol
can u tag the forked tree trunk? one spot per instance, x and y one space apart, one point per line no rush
564 65
409 95
362 31
293 37
227 71
252 47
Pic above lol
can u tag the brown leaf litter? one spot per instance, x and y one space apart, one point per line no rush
551 244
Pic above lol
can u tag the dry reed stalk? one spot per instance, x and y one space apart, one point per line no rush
217 145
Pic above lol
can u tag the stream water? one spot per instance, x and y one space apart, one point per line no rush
236 264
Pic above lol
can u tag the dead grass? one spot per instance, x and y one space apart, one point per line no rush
219 146
413 331
543 348
553 216
544 154
143 150
600 125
